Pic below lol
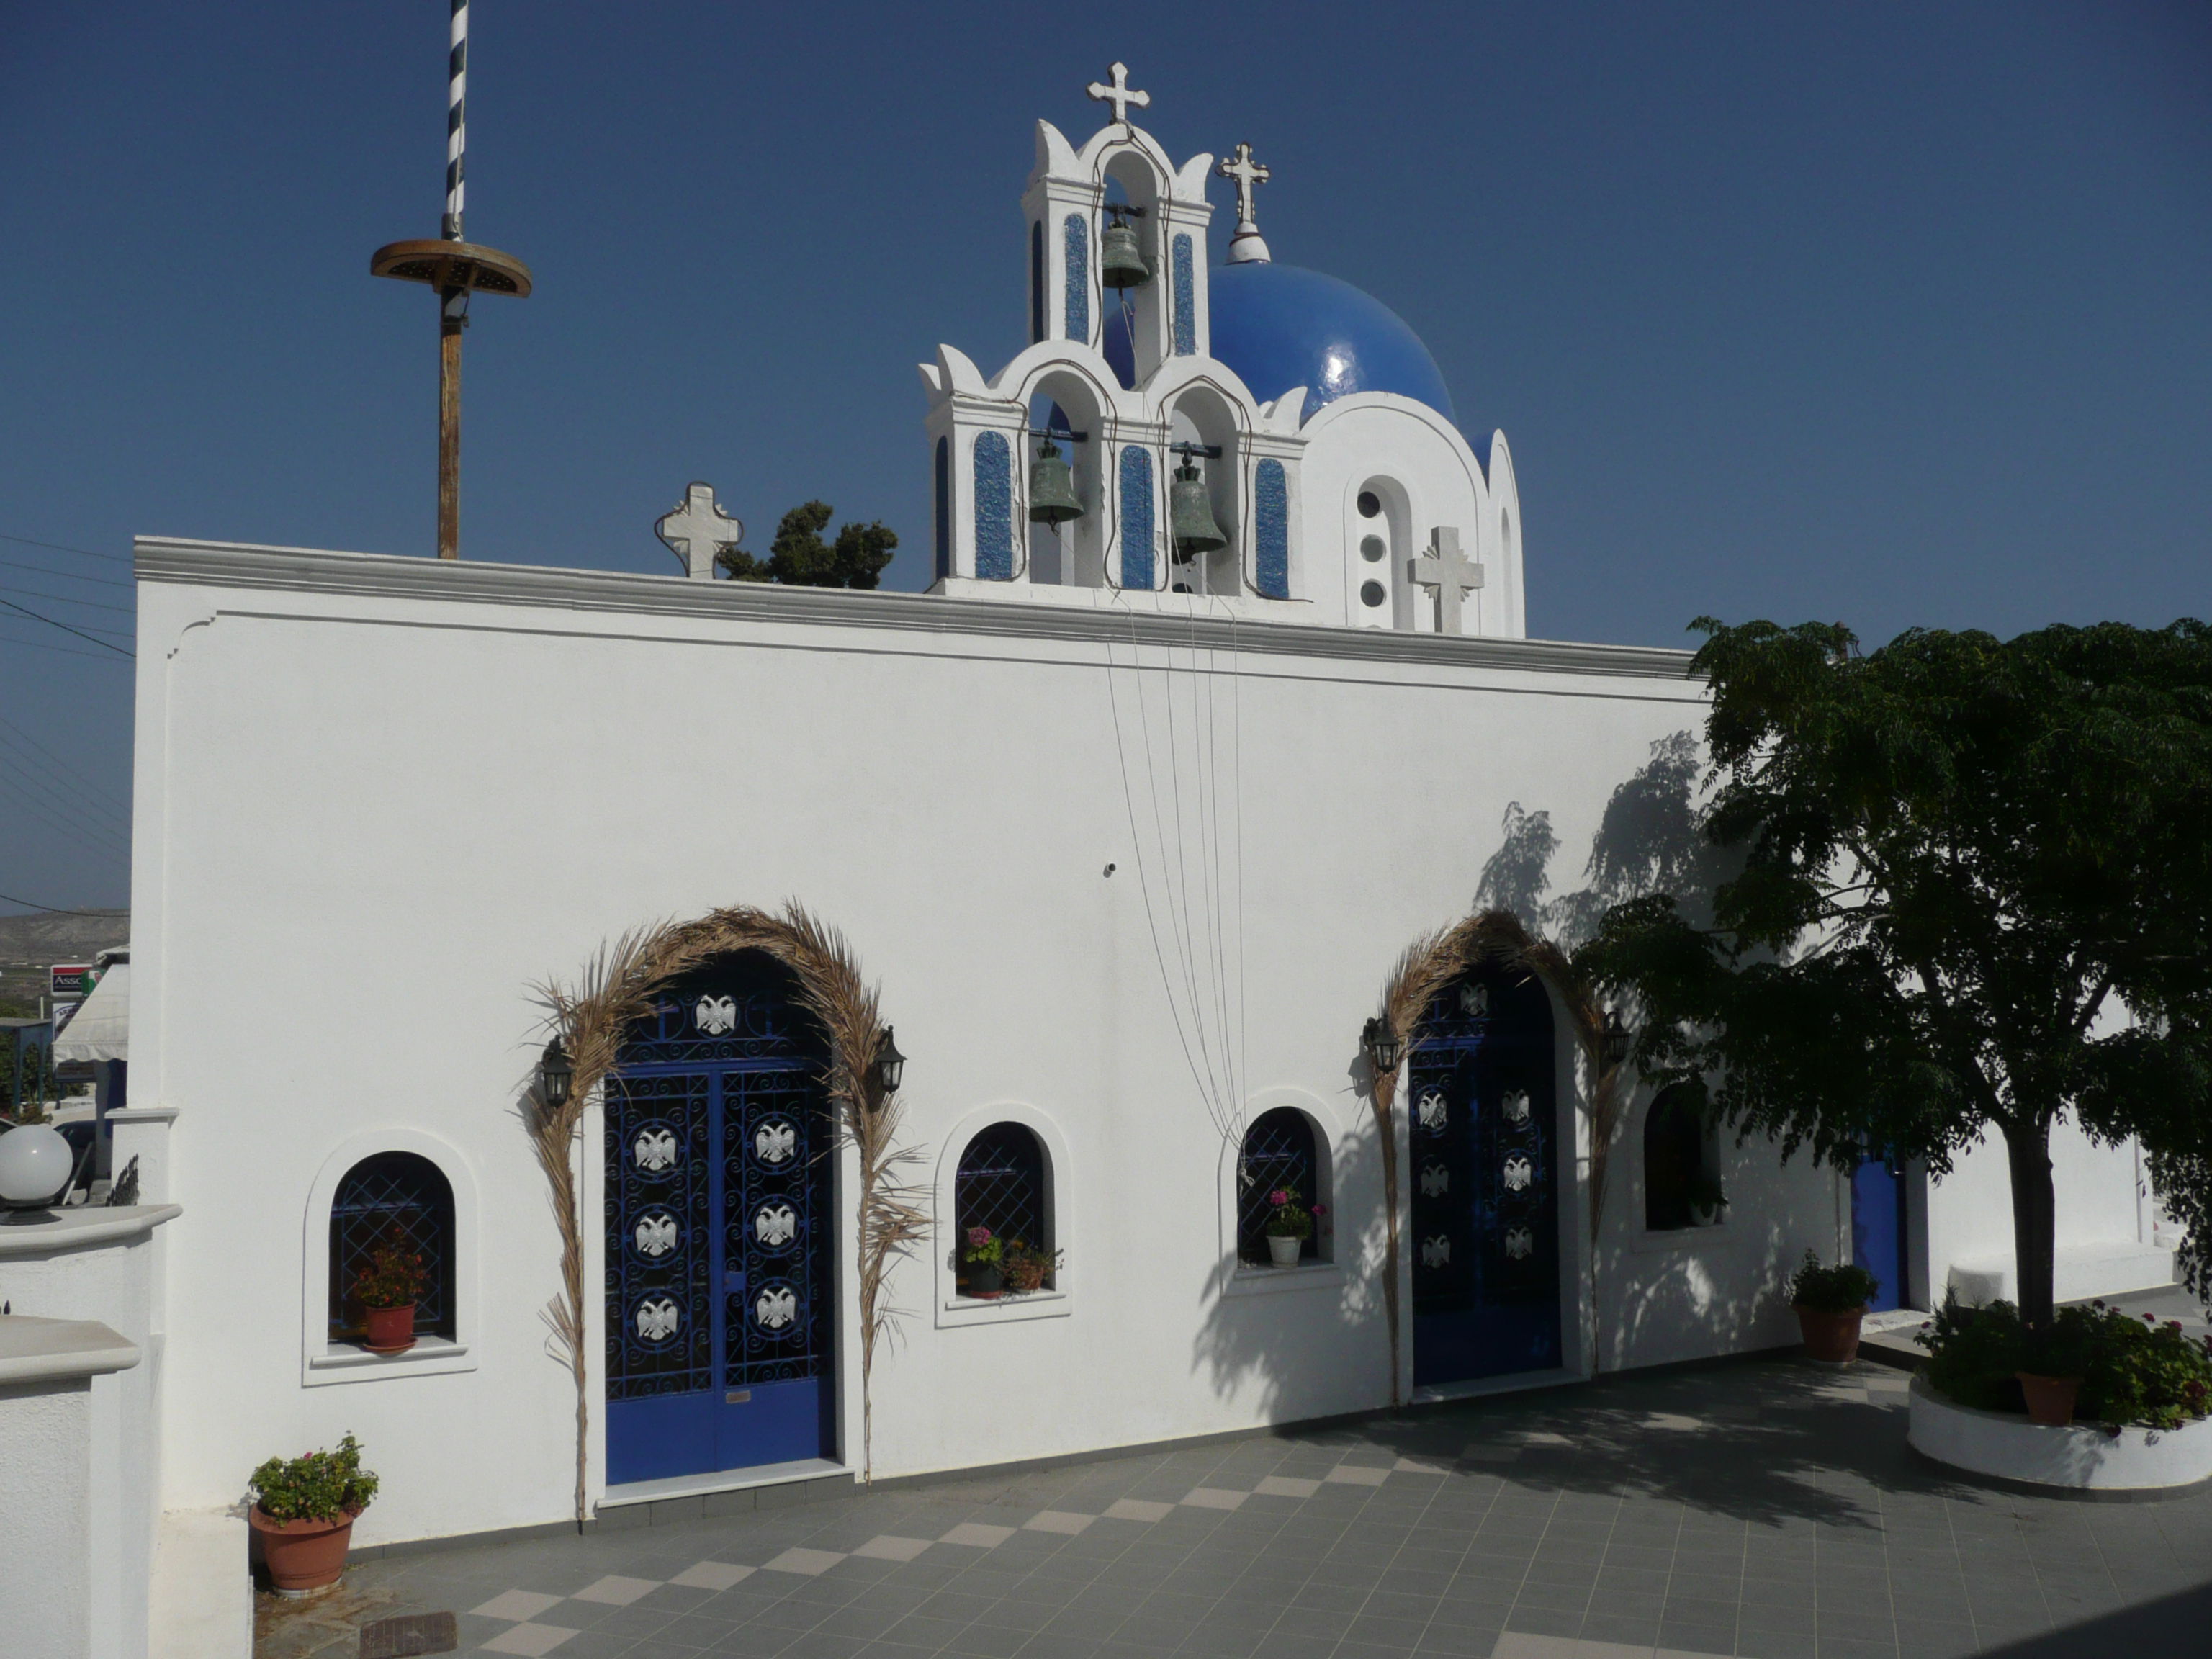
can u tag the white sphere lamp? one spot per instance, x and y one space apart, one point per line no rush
35 1167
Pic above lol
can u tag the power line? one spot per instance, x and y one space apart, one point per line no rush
62 790
119 801
60 650
66 629
56 822
64 575
58 547
54 909
64 599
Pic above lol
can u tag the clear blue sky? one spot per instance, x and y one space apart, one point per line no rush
1896 315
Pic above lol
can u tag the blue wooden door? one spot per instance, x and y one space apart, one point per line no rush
719 1304
1484 1180
1878 1229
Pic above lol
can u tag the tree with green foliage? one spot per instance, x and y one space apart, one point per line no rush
799 557
1975 894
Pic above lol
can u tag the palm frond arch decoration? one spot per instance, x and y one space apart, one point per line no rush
593 1013
1428 964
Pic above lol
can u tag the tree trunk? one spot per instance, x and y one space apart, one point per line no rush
2034 1217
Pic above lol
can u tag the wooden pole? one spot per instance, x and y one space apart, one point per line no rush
452 317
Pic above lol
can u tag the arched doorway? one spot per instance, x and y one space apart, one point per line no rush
1483 1131
721 1302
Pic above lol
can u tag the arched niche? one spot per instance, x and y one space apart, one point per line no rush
1075 555
1204 415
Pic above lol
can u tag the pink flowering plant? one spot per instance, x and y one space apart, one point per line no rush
1289 1216
2134 1369
323 1486
979 1247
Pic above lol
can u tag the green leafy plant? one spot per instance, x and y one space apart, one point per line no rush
1844 1288
323 1486
1028 1266
394 1277
2134 1371
983 1247
799 557
1288 1216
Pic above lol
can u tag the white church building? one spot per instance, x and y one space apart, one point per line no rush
1126 826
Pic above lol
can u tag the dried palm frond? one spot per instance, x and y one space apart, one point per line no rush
594 1013
1424 969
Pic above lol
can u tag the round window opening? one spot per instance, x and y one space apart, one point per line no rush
1370 504
1371 594
1371 548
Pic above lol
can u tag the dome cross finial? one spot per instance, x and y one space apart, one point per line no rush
1245 247
1119 92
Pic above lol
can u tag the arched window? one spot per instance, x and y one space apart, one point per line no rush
1681 1162
1278 1154
1003 1185
405 1199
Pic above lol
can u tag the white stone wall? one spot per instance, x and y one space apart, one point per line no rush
46 1532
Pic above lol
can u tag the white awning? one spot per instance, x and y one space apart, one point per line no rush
101 1028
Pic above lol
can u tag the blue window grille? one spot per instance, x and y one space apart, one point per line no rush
400 1198
1278 1152
1137 518
1001 1185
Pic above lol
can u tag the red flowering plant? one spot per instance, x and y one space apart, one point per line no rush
393 1278
983 1247
1289 1216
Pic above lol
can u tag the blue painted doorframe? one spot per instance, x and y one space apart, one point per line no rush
1878 1242
719 1293
1484 1183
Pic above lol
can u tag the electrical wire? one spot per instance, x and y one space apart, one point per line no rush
66 629
59 650
58 547
50 909
114 799
65 599
89 815
65 575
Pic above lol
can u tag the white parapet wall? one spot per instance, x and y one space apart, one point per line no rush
2083 1457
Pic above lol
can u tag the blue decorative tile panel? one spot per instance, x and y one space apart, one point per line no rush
1078 239
995 508
1137 518
1186 299
1271 507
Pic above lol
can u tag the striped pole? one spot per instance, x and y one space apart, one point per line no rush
457 131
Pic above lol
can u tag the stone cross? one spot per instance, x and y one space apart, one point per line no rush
697 530
1247 172
1118 92
1449 571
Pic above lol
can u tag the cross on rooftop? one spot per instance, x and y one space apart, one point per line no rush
1118 92
697 530
1247 174
1449 572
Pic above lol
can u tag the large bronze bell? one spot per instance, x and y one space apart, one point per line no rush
1120 261
1052 488
1190 514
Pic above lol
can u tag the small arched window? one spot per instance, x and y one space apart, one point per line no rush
1681 1163
1003 1184
944 507
1278 1155
404 1199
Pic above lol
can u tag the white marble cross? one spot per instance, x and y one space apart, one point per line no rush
1247 172
1450 572
1119 93
697 530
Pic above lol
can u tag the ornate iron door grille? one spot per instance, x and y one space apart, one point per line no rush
1484 1181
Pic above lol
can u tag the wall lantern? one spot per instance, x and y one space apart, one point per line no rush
1616 1038
1383 1049
891 1065
36 1168
556 1072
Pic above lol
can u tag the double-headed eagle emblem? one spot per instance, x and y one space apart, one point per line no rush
1519 1242
715 1015
1431 1111
654 1149
1435 1178
657 1319
775 1142
656 1234
1518 1172
1517 1106
1436 1252
775 1224
776 1308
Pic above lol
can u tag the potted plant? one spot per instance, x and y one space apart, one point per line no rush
303 1512
1830 1303
388 1290
1027 1265
1706 1202
984 1257
1290 1224
2054 1358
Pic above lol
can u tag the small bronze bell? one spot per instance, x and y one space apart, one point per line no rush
1052 488
1120 261
1190 514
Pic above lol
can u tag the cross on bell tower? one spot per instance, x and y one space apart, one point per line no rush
1245 247
1449 572
1118 92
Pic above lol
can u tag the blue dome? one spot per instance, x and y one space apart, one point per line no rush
1279 326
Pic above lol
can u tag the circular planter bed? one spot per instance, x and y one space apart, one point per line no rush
2083 1457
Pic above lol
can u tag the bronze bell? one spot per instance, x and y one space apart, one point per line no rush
1120 261
1052 488
1190 514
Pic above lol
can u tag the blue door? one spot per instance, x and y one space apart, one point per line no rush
720 1296
1878 1229
1484 1179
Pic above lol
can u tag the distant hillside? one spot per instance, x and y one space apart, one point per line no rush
31 944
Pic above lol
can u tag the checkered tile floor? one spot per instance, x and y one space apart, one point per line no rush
1765 1509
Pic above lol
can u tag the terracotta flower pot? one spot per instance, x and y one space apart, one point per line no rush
1283 1252
1023 1277
1831 1337
2049 1399
302 1555
391 1330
